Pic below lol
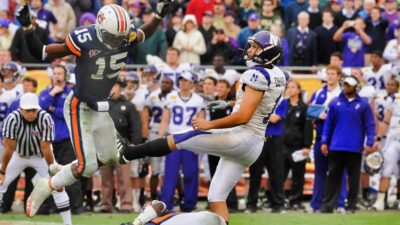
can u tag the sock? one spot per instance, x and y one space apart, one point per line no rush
365 193
63 178
135 199
66 217
156 148
381 197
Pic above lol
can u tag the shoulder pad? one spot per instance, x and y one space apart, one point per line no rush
257 78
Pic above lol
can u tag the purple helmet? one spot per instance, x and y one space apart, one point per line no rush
272 49
13 66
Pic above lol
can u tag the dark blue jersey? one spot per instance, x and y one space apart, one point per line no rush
97 67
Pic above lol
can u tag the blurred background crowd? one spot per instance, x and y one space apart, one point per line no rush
324 41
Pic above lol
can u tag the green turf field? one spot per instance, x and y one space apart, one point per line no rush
362 218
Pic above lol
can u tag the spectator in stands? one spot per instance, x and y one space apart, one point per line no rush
392 50
230 27
355 42
376 30
208 31
199 7
219 71
66 20
246 8
19 48
302 43
366 9
87 18
5 56
136 10
348 13
292 11
323 97
325 43
221 44
219 12
298 135
390 14
253 23
336 7
6 35
80 6
231 5
189 41
269 16
176 25
126 122
348 115
278 31
52 100
154 45
315 14
44 16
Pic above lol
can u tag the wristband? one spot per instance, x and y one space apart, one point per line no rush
378 138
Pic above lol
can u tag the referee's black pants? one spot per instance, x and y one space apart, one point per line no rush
64 154
272 157
337 162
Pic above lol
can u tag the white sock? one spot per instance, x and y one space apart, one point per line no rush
381 197
135 199
66 217
63 178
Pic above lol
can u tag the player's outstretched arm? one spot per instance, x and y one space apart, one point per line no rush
248 106
163 7
36 48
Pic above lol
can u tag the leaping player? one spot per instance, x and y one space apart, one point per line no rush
238 138
101 51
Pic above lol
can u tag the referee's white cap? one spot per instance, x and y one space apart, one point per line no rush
29 101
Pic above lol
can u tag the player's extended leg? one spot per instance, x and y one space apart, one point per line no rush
195 218
79 119
60 197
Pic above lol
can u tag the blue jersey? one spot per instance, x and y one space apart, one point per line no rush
97 67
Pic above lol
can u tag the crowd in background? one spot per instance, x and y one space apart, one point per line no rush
347 38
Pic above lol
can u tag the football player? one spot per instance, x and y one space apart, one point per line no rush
101 50
238 138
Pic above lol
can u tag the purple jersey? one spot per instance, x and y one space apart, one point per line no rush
354 50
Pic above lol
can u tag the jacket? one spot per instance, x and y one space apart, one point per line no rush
298 129
348 125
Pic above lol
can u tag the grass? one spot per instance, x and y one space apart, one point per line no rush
292 218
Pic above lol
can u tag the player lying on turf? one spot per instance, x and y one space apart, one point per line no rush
156 213
101 51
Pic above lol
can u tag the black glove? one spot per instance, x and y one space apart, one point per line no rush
163 7
23 16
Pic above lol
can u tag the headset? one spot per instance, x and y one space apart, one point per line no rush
67 70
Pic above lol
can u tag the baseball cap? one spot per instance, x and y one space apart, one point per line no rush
4 22
186 75
150 69
29 101
229 13
351 80
254 17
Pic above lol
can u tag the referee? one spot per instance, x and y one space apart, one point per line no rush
28 133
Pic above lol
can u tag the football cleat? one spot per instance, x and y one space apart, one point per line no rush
40 193
122 146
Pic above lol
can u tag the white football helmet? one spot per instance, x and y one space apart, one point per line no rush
112 25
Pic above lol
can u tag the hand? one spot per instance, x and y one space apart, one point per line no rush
218 104
2 178
305 151
23 16
377 145
347 24
322 116
200 124
368 150
56 89
324 149
54 168
163 7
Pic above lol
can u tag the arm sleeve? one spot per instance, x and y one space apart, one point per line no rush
200 46
328 126
10 127
369 124
73 44
281 109
47 128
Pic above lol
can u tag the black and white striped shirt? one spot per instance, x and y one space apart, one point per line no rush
29 135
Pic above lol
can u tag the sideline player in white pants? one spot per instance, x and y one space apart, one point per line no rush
241 142
390 125
28 133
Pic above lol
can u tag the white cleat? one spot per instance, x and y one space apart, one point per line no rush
378 206
41 191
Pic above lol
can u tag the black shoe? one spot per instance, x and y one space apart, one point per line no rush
251 210
278 210
297 206
325 210
122 146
